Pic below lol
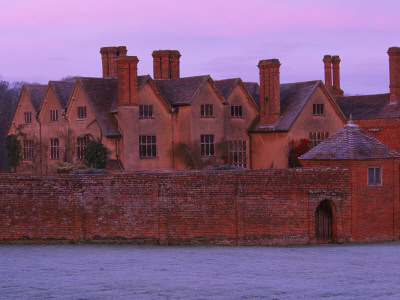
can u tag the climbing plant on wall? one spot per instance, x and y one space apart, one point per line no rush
14 148
296 149
96 154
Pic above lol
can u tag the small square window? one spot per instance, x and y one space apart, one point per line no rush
374 176
145 111
318 109
236 111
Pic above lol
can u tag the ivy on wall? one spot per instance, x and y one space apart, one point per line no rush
14 148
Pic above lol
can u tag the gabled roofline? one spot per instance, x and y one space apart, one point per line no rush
330 98
23 88
208 79
249 96
333 101
78 81
42 104
156 90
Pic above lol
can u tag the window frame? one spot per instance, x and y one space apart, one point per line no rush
146 111
317 137
53 115
54 148
237 151
28 117
28 150
207 111
81 113
81 146
207 148
318 109
373 175
147 146
236 111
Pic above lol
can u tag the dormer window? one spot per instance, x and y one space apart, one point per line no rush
236 111
28 117
82 112
206 111
53 115
145 111
318 109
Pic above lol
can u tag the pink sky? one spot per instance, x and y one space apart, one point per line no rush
44 40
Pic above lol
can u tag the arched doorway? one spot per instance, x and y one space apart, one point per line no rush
323 222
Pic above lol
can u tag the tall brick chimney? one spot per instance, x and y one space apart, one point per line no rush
328 71
109 57
337 92
127 80
270 97
166 64
394 72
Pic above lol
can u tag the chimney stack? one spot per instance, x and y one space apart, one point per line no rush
270 98
394 73
328 71
109 57
166 64
127 80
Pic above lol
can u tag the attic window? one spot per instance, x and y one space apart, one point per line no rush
53 115
318 109
145 111
82 112
374 176
206 111
28 117
236 111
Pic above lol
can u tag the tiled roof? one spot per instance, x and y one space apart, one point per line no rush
62 90
369 107
254 90
35 93
101 92
226 86
293 98
181 91
350 142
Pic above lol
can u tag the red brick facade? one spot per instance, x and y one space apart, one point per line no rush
374 209
214 207
387 131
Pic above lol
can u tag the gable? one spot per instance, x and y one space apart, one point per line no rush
241 96
208 94
50 102
148 95
23 105
329 121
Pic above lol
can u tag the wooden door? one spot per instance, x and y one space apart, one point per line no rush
323 222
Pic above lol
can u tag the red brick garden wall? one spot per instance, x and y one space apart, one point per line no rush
251 207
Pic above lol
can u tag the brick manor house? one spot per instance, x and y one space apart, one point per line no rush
168 122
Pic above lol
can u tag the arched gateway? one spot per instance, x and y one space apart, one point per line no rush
323 222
